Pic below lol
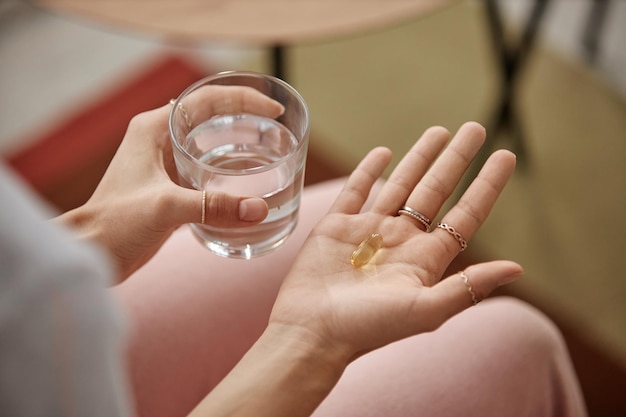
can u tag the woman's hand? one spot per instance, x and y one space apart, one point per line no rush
138 203
329 312
399 293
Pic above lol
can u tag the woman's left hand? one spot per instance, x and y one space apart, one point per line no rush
329 312
400 292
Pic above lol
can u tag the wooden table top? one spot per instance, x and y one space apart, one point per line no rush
260 22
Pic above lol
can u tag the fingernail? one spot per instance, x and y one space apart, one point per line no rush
252 210
511 277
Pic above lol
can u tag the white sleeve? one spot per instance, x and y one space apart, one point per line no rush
61 334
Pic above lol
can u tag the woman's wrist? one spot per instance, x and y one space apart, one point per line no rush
307 348
80 221
86 226
72 218
288 371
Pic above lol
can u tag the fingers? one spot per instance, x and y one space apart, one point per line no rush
357 188
440 181
212 100
454 293
220 209
472 210
410 170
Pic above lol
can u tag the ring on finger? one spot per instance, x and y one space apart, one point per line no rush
182 111
203 212
468 285
455 234
408 211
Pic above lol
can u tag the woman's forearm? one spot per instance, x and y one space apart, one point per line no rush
286 373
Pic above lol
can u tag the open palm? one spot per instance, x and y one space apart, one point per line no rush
399 293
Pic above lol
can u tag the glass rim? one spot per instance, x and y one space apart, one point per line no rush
225 74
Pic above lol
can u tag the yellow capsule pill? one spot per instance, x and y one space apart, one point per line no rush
366 250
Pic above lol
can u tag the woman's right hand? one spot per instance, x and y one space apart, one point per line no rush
139 203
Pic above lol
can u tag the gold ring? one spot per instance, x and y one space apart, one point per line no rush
183 111
203 205
455 234
469 288
408 211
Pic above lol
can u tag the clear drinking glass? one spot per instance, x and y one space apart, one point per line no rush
243 154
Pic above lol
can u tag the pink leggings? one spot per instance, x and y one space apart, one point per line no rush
193 315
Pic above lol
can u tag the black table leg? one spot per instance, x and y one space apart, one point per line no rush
593 29
511 60
278 62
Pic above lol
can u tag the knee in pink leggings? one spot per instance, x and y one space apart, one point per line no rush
500 358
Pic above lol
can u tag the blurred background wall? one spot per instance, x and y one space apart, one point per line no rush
562 216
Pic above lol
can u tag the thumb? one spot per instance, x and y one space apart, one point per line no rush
222 209
470 286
